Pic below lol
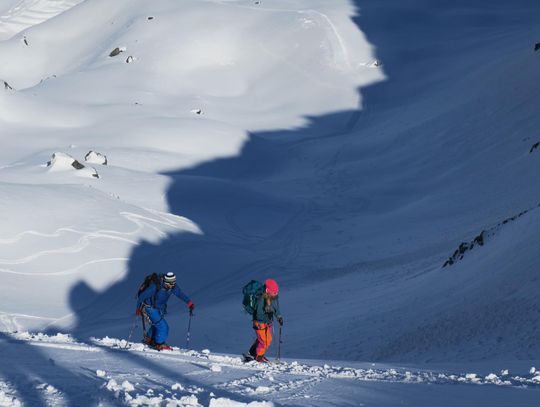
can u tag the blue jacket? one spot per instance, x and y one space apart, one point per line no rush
159 300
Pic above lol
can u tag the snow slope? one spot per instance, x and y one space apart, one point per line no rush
345 148
105 372
69 96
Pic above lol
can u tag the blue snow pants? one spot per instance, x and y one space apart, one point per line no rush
159 330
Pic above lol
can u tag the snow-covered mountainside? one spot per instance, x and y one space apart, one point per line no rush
378 159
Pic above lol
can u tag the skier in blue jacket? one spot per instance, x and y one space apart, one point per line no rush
152 304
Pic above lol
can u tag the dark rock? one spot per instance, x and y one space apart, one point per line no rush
150 18
537 46
534 147
6 86
77 165
115 52
480 238
25 41
129 60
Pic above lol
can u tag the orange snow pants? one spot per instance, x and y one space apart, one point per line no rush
264 337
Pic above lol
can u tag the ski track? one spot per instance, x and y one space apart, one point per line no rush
311 374
338 45
86 238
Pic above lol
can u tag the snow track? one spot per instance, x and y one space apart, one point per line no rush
108 371
312 373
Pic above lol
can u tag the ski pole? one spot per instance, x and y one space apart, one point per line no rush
189 329
133 325
279 345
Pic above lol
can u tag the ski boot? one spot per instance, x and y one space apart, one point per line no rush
147 340
162 346
262 359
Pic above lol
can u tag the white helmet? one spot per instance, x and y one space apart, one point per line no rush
169 278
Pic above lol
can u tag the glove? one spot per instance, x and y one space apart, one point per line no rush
191 306
280 321
138 312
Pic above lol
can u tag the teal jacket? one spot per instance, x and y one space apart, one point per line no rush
266 314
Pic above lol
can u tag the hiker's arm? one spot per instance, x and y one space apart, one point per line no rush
180 294
146 294
277 311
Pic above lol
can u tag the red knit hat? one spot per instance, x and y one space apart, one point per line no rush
272 287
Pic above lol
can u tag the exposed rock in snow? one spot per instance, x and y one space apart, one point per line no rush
117 51
7 86
129 60
64 162
196 111
94 157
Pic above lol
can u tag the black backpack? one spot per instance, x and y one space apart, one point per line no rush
149 279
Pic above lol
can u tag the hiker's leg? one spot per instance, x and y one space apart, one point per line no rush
260 330
162 331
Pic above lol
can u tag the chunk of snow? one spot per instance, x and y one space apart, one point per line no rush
189 401
473 377
50 389
215 368
533 370
177 386
8 401
205 351
127 386
112 385
100 373
224 402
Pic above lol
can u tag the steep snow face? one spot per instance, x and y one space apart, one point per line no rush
153 86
